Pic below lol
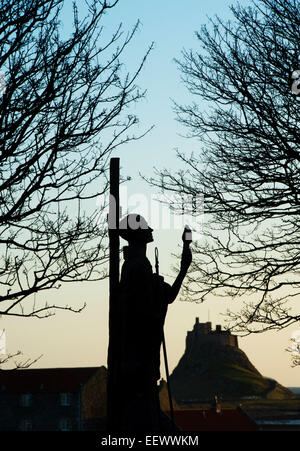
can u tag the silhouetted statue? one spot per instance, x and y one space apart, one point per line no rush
144 299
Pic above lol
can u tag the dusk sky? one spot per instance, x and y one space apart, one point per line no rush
69 339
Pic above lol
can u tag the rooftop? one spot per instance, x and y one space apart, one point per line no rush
210 420
55 380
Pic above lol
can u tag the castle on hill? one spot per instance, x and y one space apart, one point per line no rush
214 365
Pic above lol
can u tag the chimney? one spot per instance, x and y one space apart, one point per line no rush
216 406
218 328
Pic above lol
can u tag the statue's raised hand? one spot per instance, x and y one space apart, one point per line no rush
186 256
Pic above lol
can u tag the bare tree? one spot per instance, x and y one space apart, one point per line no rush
64 108
244 81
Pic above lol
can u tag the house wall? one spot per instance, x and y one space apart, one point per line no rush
93 396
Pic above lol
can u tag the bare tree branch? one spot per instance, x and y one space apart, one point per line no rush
245 117
65 109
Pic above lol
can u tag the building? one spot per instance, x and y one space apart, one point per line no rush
215 418
50 399
202 333
196 420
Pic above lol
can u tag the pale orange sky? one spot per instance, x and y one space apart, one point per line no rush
69 339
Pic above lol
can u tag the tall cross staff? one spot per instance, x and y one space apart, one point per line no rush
114 246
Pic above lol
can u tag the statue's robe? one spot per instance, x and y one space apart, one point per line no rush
143 304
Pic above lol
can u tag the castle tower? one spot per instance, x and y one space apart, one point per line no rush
202 333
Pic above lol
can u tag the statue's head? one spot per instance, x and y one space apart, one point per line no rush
135 229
